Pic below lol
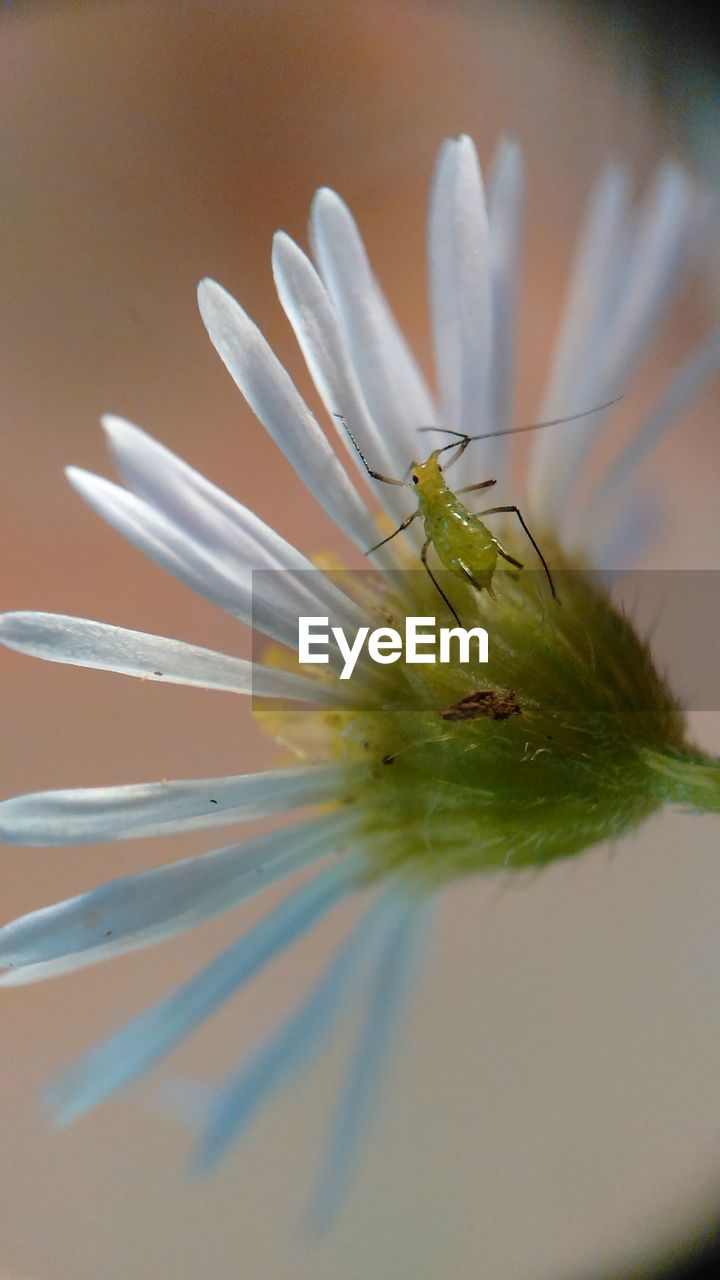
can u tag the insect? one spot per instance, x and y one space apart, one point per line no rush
484 704
463 543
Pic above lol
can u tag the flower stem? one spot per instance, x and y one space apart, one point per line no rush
688 778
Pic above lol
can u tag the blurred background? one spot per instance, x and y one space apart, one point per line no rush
554 1108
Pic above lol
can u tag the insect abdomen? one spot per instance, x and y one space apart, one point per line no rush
461 540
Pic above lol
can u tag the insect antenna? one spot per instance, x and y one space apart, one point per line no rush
447 431
376 475
515 431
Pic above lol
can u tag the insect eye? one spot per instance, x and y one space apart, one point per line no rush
415 478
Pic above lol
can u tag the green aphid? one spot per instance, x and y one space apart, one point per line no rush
464 545
592 740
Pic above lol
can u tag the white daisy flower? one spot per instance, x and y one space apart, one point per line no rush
405 792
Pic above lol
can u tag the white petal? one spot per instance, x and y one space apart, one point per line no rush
641 282
226 531
298 1041
593 291
460 279
271 395
610 498
625 542
230 588
137 910
360 1087
152 1035
79 642
663 224
313 317
592 295
443 302
392 385
662 234
505 201
90 814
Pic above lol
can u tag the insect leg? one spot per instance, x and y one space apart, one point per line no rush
510 559
408 520
436 584
516 511
458 453
470 488
376 475
473 581
485 484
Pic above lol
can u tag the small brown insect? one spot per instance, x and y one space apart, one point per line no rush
484 704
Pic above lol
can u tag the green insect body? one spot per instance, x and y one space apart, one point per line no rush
464 545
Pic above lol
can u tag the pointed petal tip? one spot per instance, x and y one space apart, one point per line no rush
206 289
326 202
285 251
509 152
61 1109
7 623
467 156
55 1116
206 286
22 975
223 316
465 147
201 1161
287 257
83 482
118 429
325 193
670 170
213 297
16 625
